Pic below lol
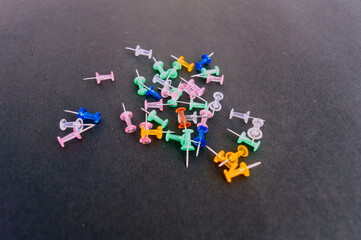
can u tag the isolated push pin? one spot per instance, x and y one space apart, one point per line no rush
242 170
244 116
211 78
140 81
127 116
188 66
83 114
244 139
215 105
78 124
74 134
158 66
100 78
153 117
146 125
206 59
139 51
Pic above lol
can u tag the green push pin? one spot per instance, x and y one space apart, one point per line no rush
153 117
193 104
158 66
172 72
187 142
176 94
244 139
139 80
174 137
214 71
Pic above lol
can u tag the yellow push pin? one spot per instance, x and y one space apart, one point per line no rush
220 156
156 132
189 66
242 170
232 158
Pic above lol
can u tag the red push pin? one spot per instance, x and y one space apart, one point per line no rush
127 116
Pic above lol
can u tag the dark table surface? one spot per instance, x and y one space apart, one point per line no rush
294 63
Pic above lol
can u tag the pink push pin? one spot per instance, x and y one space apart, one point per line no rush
147 125
192 85
185 88
154 104
127 116
205 115
100 78
211 78
70 136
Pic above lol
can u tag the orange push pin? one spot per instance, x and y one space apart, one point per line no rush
156 132
232 158
183 123
184 63
242 170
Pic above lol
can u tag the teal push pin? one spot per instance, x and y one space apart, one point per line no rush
185 141
244 139
139 80
174 137
153 117
204 73
158 66
172 72
194 104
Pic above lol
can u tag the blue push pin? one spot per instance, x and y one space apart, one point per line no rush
199 140
206 59
151 91
83 114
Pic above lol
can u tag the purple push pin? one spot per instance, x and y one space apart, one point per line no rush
70 136
127 116
211 78
100 78
205 115
78 124
147 125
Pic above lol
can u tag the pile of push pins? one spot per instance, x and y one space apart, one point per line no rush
231 160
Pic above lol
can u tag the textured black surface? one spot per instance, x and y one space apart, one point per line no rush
295 63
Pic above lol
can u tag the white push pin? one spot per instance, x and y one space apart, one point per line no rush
78 124
74 134
100 78
215 105
139 51
255 133
244 116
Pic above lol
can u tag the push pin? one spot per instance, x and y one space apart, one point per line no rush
83 114
172 72
140 81
215 106
205 114
158 66
193 104
185 141
74 134
184 63
204 73
220 156
183 123
200 141
158 105
78 124
244 139
206 59
127 116
146 125
244 116
175 94
151 91
211 78
242 170
255 133
165 83
232 158
100 78
139 51
191 84
185 88
153 117
156 132
193 117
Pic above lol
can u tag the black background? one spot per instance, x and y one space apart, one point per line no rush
294 63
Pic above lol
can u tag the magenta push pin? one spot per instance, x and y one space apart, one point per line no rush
139 51
127 116
78 124
74 134
211 78
100 78
158 104
147 125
